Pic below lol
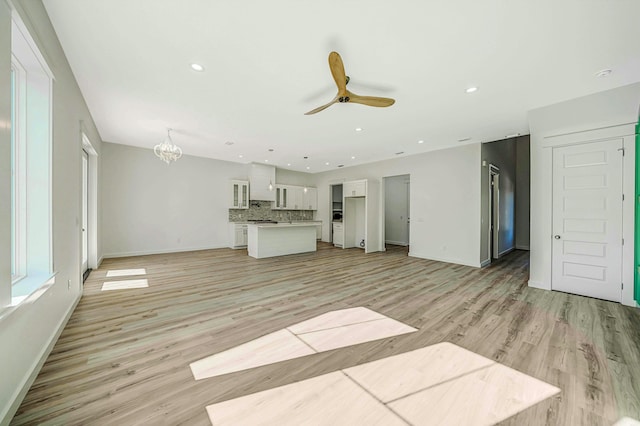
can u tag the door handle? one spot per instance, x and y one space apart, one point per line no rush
557 237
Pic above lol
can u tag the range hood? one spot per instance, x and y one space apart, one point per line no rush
261 176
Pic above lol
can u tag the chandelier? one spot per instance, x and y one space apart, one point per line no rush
167 151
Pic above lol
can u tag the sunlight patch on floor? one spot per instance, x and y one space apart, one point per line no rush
441 384
125 272
336 329
124 285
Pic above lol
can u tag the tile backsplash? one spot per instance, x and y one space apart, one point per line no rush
261 210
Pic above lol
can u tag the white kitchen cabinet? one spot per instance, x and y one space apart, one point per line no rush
239 194
338 234
282 197
238 236
296 198
310 198
356 188
292 197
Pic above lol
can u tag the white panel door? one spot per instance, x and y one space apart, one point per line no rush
587 219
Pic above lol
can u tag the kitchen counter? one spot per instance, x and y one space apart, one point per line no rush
279 239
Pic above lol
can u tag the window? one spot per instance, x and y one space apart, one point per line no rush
31 93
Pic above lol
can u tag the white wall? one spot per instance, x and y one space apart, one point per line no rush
445 200
152 207
42 318
523 178
396 195
598 111
501 154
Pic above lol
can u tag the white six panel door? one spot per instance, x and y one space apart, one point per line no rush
587 219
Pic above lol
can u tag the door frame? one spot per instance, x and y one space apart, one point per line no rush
617 220
544 157
92 235
84 222
494 213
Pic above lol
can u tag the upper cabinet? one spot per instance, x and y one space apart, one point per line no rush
263 181
291 197
356 188
239 194
310 198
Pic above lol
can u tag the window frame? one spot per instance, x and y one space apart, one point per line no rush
18 171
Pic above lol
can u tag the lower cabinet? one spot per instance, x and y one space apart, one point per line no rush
338 234
238 235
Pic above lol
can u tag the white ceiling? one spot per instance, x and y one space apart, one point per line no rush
266 65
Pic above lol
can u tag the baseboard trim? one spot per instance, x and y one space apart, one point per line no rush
518 247
100 261
539 284
397 243
485 263
507 251
441 259
19 395
165 251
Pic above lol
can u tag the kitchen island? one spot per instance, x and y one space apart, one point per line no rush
279 239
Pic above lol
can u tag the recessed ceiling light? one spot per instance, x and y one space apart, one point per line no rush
604 73
358 129
270 149
266 161
420 141
240 155
308 168
471 89
353 157
464 139
288 164
229 143
326 164
197 67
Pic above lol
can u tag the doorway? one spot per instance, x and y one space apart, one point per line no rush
336 209
587 198
85 215
397 210
89 207
494 212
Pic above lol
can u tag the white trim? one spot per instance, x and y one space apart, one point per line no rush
590 135
165 251
485 262
522 247
539 284
442 259
625 131
21 392
397 243
26 34
502 253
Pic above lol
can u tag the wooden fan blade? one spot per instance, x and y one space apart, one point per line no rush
370 100
320 108
337 70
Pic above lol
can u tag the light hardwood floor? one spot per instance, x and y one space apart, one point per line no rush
124 356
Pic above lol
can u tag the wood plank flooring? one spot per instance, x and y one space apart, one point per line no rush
124 356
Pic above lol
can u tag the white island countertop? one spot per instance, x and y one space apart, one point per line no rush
279 239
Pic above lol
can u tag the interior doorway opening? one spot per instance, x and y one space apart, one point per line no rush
494 212
89 208
397 208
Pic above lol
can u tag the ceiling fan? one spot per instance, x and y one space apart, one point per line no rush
337 70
